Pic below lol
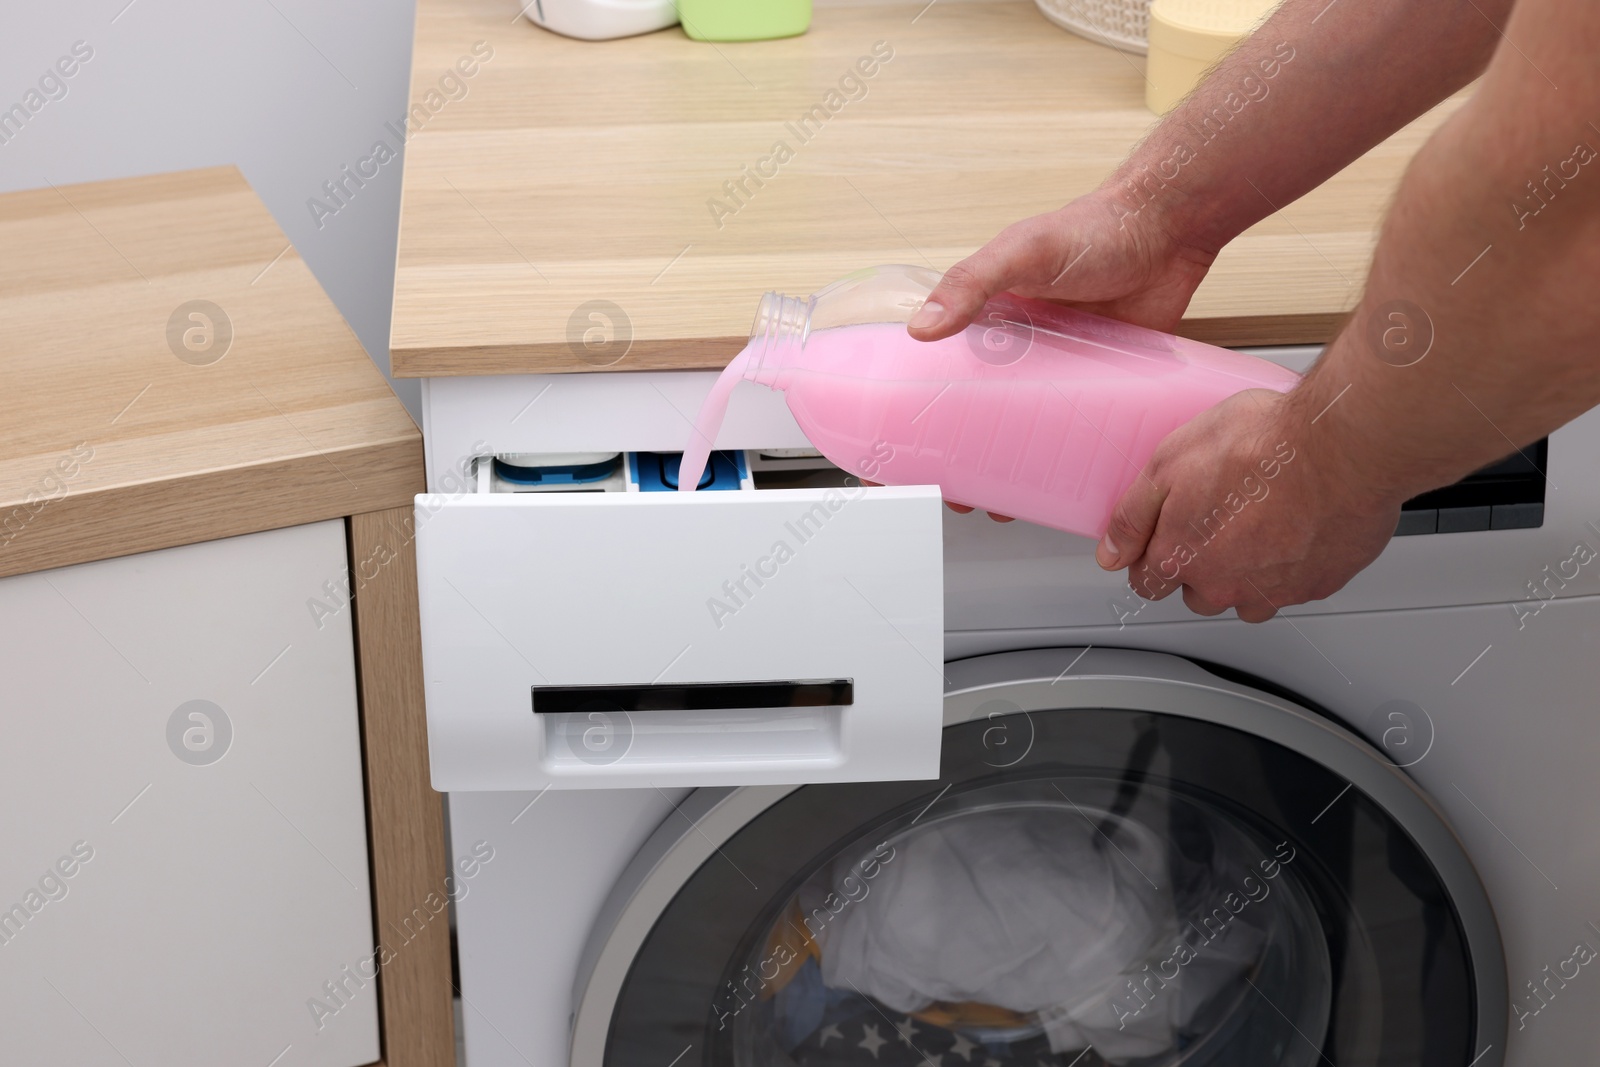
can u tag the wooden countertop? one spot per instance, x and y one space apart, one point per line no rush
110 443
574 171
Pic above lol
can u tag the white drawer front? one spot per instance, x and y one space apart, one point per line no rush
827 603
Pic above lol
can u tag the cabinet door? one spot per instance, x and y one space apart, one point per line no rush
183 856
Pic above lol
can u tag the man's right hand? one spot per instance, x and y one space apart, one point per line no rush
1094 254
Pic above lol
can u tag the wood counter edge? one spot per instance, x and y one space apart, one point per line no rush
713 353
122 520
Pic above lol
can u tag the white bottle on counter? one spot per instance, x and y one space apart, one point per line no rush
599 20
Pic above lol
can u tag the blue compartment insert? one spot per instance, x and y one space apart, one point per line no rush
572 474
657 472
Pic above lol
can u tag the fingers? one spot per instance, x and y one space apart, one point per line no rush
1256 609
1015 255
962 509
1146 582
1259 610
1196 602
959 509
1133 521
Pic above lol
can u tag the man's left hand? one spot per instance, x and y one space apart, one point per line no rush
1235 510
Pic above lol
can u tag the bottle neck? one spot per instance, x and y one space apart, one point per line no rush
776 337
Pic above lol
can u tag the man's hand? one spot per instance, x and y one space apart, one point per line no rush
1234 509
1492 244
1502 281
1094 254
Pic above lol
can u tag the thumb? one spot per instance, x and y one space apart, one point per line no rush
965 287
1133 521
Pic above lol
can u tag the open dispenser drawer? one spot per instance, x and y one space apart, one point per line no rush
591 639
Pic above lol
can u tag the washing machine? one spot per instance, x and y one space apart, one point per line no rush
935 790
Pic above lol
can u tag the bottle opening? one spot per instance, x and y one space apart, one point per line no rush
781 327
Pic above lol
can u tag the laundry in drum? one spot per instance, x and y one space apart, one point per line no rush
1016 930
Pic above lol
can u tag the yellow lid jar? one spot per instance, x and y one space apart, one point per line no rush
1187 37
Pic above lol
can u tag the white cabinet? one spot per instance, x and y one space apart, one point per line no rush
183 857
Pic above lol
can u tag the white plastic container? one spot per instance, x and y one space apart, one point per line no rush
1118 23
601 20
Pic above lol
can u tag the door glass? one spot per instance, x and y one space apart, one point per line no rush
1029 920
1080 887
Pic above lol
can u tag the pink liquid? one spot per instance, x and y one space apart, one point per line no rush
702 441
1050 424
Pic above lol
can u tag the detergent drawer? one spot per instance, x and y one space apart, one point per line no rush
753 637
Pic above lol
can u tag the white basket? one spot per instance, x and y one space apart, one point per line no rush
1118 23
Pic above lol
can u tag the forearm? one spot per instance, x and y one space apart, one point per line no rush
1489 283
1312 89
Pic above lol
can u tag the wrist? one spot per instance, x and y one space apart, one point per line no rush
1155 222
1348 460
1152 191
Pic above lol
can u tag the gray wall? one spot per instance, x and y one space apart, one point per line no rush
290 91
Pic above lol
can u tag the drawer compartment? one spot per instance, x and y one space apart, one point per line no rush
591 640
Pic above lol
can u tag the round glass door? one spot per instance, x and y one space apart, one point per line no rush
1083 886
1032 918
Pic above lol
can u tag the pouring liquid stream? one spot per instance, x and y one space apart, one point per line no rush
704 438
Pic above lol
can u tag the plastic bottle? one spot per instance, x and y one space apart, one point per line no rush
602 20
1036 411
743 20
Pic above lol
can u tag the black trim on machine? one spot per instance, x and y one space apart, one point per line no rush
1505 495
694 696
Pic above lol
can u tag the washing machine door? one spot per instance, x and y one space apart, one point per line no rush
1126 860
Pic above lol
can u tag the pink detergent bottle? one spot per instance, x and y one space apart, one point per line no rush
1037 411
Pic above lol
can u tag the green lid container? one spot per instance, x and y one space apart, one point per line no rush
743 20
